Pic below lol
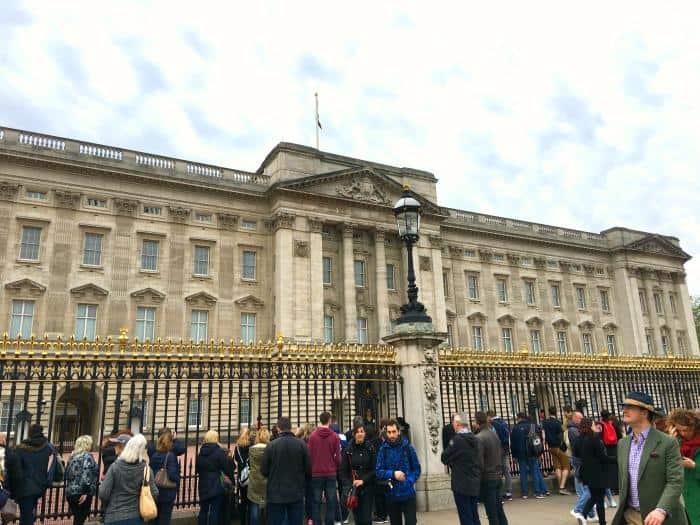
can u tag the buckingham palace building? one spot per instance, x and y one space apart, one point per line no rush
97 238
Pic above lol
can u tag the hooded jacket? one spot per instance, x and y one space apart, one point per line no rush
211 463
398 456
465 457
324 449
518 439
120 490
29 467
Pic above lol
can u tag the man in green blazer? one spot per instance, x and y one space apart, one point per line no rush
650 469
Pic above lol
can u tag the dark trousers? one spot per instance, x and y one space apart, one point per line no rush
598 499
467 509
243 504
329 486
79 512
380 502
285 513
402 512
363 512
308 499
209 510
491 498
165 513
26 509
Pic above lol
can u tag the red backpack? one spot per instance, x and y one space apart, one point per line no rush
609 434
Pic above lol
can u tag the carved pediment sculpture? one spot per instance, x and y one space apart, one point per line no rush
8 191
89 290
506 319
178 214
586 325
148 296
67 199
477 317
364 189
249 301
534 321
227 221
26 286
560 323
658 245
126 206
201 299
330 308
485 255
301 248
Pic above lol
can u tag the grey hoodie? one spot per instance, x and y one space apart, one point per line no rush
121 488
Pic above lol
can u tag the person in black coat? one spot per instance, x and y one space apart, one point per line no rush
286 464
448 432
466 461
28 470
164 455
211 464
597 468
357 468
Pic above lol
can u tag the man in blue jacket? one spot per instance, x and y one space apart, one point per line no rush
398 466
528 463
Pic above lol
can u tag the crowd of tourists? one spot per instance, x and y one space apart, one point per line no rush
319 474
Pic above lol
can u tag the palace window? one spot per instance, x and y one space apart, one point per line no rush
248 224
327 271
203 217
248 322
29 245
605 301
535 341
650 342
556 295
362 331
643 302
8 415
682 346
249 265
530 295
658 304
92 251
473 287
328 332
86 322
502 290
581 297
36 195
194 413
201 260
245 410
22 319
152 210
507 338
391 277
499 257
587 344
199 325
469 253
562 343
145 323
611 343
96 203
446 283
665 342
477 338
149 255
672 302
360 274
450 340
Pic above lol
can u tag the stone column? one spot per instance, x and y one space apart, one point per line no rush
686 315
316 275
383 322
629 310
282 225
439 314
350 302
416 349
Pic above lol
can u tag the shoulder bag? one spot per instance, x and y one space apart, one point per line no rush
352 501
147 505
162 479
244 473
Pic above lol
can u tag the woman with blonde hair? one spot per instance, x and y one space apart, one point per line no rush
240 457
257 486
164 457
121 488
81 479
211 467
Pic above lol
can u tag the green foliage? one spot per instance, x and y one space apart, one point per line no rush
695 302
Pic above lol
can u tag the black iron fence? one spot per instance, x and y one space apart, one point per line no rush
97 388
512 383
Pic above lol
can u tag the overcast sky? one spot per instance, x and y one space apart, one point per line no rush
584 117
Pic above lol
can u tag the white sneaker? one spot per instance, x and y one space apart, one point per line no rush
580 518
594 519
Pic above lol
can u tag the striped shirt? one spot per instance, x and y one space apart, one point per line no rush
636 449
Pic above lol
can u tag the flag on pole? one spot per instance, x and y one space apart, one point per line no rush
318 119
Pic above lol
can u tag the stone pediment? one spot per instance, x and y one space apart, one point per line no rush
657 244
201 299
477 316
26 286
249 301
534 321
361 185
148 295
89 289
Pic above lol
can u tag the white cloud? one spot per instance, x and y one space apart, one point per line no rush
584 116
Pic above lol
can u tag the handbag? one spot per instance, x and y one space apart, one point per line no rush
147 505
352 501
226 483
162 479
57 470
10 511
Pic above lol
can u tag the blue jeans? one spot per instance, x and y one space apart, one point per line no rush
329 486
209 510
289 513
467 509
583 496
253 513
531 466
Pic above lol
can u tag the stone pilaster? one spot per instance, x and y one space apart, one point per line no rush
439 314
349 297
383 322
316 276
686 315
282 225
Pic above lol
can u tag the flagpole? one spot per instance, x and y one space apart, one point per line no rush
316 121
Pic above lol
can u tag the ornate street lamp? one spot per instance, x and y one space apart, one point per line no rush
408 211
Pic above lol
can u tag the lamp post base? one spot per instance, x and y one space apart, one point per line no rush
413 312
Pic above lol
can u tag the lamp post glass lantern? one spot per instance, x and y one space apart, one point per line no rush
408 211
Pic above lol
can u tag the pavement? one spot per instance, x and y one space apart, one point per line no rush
553 510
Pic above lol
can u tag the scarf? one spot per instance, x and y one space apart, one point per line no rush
690 446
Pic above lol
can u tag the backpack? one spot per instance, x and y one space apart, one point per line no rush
609 434
535 447
244 474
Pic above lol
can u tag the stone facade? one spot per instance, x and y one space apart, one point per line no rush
95 238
